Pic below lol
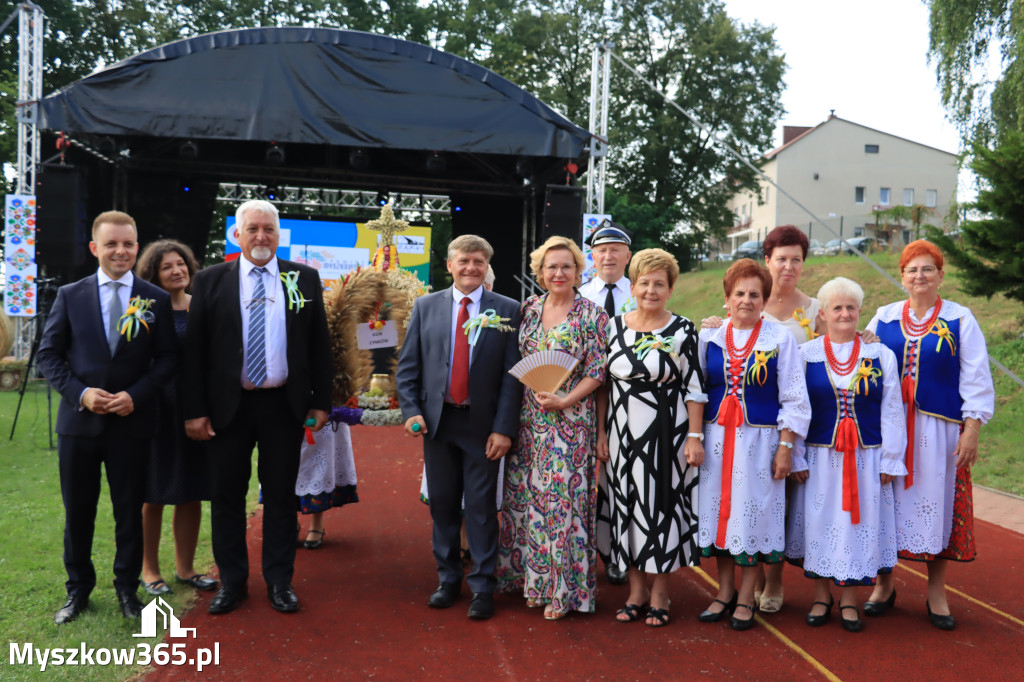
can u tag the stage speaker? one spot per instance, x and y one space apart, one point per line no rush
563 213
62 221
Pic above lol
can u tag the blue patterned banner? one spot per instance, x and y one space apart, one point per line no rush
20 255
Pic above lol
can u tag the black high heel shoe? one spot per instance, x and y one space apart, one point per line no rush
818 621
855 625
742 623
878 608
709 616
941 622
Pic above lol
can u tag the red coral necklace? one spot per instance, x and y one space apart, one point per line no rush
920 329
842 368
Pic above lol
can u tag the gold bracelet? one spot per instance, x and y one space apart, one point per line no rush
977 429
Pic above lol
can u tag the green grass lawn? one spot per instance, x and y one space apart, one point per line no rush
699 294
31 546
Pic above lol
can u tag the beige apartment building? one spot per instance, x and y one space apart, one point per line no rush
842 171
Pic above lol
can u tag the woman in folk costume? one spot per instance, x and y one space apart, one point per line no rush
947 394
842 522
757 408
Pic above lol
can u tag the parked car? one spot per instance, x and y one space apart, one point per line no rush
814 248
865 244
831 247
751 249
724 257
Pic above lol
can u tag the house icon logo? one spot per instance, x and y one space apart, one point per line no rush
159 609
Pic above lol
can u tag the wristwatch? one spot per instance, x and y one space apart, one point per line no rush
786 444
699 436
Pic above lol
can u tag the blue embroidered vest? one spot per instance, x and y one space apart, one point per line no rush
937 370
760 402
826 410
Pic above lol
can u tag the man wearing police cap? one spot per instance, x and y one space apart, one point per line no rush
609 246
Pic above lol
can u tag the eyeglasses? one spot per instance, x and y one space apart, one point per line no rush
553 269
926 270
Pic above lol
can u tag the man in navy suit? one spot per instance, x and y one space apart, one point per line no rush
257 365
461 398
108 384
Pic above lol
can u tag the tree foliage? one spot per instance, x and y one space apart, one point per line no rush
964 35
991 255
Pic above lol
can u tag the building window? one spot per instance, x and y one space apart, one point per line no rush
884 195
871 149
858 195
931 198
908 197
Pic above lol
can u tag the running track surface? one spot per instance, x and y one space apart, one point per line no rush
364 615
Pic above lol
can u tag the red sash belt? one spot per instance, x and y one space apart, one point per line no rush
846 442
908 386
309 436
730 418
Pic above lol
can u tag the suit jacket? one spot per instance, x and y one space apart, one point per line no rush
74 355
495 396
211 383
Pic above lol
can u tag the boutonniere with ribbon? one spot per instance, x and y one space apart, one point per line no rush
137 315
942 330
864 374
648 342
758 371
628 307
488 318
560 338
291 287
805 322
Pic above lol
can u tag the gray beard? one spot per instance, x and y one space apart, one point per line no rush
262 252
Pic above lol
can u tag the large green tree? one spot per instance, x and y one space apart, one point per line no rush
965 35
991 255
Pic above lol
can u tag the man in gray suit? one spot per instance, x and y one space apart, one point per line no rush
456 391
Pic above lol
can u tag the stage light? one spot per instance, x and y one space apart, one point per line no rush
186 188
359 159
272 193
274 154
188 150
381 199
436 164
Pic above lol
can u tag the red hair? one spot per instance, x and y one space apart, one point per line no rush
785 235
745 268
922 247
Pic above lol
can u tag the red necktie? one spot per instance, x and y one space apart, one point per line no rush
460 361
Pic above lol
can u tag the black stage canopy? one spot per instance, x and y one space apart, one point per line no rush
340 108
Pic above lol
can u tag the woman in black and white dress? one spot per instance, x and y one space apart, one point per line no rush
647 508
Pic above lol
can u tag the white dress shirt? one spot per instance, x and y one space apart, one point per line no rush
124 292
277 339
473 309
595 291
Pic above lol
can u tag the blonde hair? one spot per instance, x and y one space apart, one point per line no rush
470 243
651 260
840 286
489 277
553 244
114 218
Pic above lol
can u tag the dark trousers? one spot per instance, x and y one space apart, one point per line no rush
265 420
80 460
456 465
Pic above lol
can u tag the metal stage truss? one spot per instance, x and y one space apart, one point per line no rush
334 198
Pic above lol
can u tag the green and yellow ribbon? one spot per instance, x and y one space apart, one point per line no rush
942 330
628 307
649 342
291 287
758 371
488 318
864 374
805 322
560 335
137 315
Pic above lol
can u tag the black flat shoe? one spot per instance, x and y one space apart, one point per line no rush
855 625
282 598
72 607
198 581
157 588
227 599
313 544
709 616
444 596
941 622
878 608
818 621
615 575
742 623
131 607
482 606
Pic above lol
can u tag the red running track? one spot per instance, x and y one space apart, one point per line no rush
364 613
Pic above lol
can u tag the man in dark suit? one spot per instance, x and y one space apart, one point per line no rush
460 396
257 366
108 380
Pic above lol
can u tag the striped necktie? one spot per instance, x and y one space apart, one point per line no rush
114 316
257 339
